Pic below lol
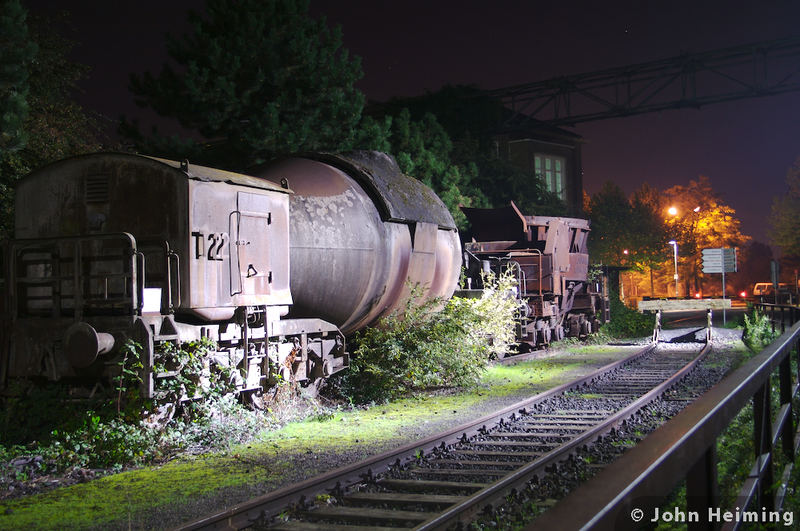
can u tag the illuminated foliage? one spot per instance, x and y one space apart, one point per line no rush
635 232
702 221
427 346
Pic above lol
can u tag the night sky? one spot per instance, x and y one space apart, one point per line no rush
410 47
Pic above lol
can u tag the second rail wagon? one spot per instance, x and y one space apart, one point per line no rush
549 258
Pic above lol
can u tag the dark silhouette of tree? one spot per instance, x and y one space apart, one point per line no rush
610 214
254 79
470 119
785 217
649 235
423 150
17 52
54 126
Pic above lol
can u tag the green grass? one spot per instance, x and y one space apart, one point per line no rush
133 497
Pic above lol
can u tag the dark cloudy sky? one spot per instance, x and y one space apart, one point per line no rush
410 46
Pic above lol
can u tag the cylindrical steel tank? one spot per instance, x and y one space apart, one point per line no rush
362 234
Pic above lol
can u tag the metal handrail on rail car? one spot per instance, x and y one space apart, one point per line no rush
129 275
684 448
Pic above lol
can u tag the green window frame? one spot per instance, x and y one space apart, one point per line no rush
551 170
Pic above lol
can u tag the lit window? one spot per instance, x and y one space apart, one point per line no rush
551 170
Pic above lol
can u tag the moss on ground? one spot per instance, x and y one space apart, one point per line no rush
188 487
122 496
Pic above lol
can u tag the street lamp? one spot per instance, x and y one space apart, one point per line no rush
674 245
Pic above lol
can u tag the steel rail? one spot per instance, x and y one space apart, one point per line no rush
247 513
645 475
520 477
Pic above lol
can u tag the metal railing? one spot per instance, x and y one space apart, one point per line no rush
625 494
780 315
67 276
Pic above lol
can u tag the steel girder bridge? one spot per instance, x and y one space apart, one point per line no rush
689 80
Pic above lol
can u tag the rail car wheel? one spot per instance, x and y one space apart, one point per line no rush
574 327
255 400
524 346
311 388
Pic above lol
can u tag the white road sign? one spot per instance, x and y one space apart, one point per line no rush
722 260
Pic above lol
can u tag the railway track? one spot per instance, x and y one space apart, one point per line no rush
451 477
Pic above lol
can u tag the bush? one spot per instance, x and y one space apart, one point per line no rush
627 322
101 444
426 347
215 424
115 435
758 332
194 378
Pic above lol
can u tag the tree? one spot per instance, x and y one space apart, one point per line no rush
17 52
701 220
54 126
423 150
630 232
785 217
58 125
650 236
254 78
610 214
469 117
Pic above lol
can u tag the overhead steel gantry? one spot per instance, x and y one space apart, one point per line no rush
689 80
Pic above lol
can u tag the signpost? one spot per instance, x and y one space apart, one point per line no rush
720 260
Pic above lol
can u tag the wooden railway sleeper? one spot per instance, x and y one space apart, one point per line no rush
493 456
366 515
